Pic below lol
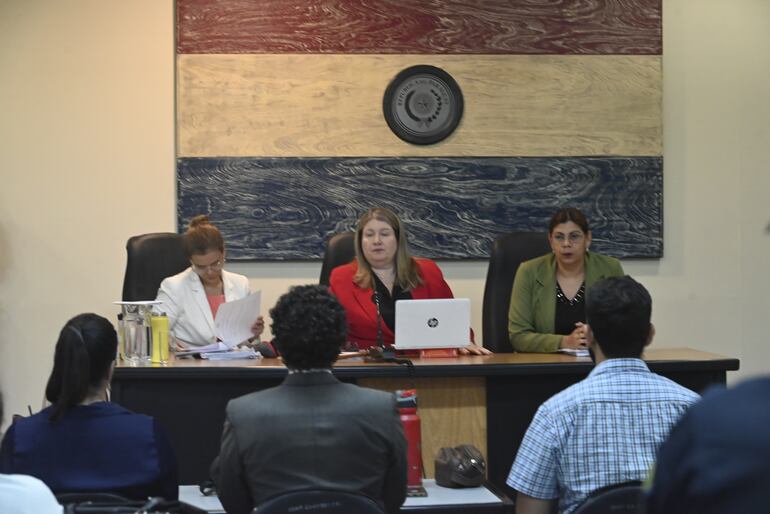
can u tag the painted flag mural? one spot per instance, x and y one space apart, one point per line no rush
282 141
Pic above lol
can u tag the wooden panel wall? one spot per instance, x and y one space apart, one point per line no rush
420 27
282 141
454 207
331 105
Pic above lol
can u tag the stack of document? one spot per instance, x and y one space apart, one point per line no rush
245 353
209 348
577 352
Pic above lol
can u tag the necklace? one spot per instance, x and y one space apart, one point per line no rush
561 297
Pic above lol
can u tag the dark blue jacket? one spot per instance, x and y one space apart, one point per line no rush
96 447
717 459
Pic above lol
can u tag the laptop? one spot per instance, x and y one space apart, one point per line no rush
424 324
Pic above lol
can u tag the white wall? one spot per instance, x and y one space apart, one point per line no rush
87 146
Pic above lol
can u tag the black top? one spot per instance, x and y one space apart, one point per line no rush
387 302
569 312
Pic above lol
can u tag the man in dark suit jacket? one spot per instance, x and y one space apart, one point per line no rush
312 431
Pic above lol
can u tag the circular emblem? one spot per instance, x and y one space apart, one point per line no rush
423 105
432 322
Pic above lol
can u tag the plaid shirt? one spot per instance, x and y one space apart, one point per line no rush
603 430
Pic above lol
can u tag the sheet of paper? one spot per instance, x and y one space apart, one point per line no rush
577 352
235 319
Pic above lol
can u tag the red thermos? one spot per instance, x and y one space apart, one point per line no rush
407 408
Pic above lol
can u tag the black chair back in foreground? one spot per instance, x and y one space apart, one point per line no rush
623 498
321 502
508 252
150 259
340 249
66 498
108 503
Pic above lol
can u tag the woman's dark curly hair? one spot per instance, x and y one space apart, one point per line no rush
309 327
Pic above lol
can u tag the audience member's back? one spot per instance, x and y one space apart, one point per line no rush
23 494
607 428
717 459
316 432
96 447
312 431
610 426
82 443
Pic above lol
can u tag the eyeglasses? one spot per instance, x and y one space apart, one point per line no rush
574 237
214 266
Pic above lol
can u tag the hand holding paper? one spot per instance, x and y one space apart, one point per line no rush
235 320
258 327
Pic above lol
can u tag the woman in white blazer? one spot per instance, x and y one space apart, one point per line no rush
191 298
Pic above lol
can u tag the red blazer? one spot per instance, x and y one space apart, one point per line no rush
360 309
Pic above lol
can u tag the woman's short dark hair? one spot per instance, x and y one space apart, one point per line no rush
202 237
309 327
84 353
566 215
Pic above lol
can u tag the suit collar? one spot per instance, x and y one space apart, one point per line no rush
310 379
546 272
364 298
593 273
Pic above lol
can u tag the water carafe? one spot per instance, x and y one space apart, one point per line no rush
137 331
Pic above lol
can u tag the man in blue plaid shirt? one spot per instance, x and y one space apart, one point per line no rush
605 429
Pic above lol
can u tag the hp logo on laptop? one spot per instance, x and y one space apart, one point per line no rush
432 322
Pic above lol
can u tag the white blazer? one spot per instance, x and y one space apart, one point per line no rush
184 301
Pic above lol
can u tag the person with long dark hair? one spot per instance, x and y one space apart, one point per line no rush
82 442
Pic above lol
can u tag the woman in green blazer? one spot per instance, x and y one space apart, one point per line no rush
547 310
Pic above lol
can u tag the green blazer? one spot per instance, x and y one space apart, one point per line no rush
532 313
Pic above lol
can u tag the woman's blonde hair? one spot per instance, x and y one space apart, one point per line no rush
407 274
202 237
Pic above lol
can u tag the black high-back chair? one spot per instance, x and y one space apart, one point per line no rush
320 501
623 498
149 259
340 249
508 251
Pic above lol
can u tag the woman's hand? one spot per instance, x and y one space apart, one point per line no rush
258 327
177 345
578 338
474 349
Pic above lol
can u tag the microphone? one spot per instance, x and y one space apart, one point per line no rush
380 353
376 300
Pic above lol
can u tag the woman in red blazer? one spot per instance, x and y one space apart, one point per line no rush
382 273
